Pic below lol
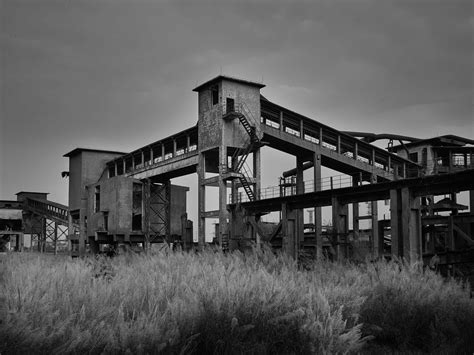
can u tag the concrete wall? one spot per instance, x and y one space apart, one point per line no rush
212 128
210 121
234 134
75 184
429 164
116 201
21 196
85 168
178 207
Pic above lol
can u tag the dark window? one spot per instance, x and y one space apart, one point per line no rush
413 157
106 221
137 201
230 105
215 95
424 157
97 199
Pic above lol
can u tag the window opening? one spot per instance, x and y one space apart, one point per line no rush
137 201
230 105
97 199
215 95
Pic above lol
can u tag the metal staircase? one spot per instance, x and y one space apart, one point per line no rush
245 117
245 183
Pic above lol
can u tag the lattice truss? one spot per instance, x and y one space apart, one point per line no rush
44 230
157 211
55 231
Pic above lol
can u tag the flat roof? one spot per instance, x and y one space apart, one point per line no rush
80 150
229 78
32 192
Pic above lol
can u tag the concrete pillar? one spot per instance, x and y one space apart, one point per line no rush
395 227
299 213
339 223
234 188
411 222
201 170
146 212
355 210
257 173
223 214
317 210
405 224
288 220
377 239
21 241
281 121
70 229
82 224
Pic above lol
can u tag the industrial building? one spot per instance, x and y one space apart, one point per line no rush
118 198
33 222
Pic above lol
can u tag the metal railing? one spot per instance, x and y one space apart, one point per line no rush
287 187
242 108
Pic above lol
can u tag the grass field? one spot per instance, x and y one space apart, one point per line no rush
210 303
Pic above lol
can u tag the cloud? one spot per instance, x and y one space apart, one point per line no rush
121 73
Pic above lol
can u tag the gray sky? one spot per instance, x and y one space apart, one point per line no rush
118 75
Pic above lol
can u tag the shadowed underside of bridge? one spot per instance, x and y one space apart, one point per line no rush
410 221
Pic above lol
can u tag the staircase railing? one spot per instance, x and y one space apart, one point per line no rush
252 127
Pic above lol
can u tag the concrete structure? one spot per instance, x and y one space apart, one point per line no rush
111 209
11 225
117 197
32 214
439 155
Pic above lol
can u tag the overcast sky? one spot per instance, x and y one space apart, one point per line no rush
118 75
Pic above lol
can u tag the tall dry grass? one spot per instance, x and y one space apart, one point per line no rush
255 303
